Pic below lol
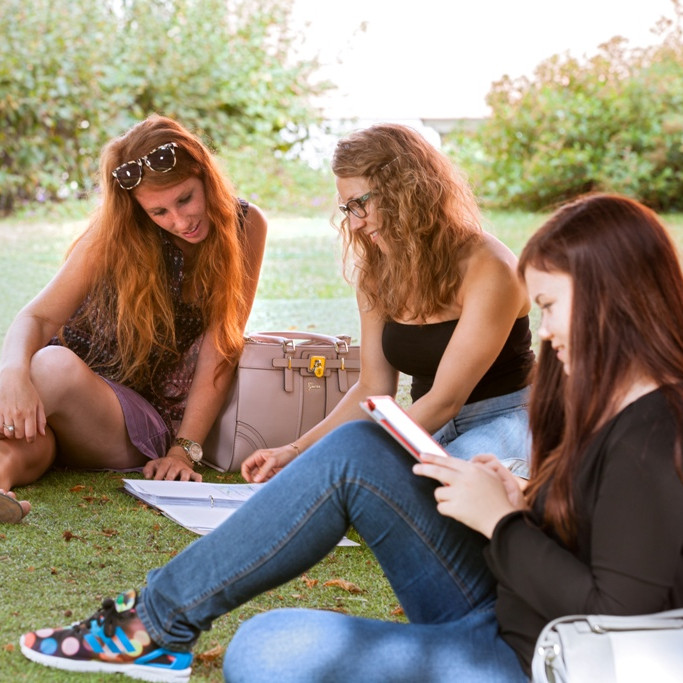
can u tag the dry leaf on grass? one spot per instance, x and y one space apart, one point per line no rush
344 585
97 499
210 655
308 581
68 536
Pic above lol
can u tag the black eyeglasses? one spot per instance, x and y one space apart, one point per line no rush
161 159
356 206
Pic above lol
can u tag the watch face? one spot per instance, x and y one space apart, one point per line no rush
196 452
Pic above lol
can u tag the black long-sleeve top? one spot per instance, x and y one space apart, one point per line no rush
629 560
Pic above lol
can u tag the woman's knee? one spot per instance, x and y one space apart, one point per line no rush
261 650
284 645
55 370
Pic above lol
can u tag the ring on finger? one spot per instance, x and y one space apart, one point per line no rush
9 428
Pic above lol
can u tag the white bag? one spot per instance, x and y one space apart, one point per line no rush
611 649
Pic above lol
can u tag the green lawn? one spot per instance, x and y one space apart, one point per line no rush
86 539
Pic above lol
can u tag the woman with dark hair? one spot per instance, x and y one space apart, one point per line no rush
122 361
438 297
479 573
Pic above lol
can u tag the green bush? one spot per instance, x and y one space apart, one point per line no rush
609 123
280 184
73 73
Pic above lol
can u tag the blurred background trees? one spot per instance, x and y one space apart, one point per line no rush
612 122
74 73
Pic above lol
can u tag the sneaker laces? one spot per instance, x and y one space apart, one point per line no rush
107 615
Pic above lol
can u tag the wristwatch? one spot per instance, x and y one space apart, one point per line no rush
192 448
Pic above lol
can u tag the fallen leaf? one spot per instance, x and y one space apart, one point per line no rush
78 487
210 655
95 499
53 570
344 585
308 581
110 532
398 612
9 647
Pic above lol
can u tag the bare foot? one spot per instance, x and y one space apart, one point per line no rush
11 509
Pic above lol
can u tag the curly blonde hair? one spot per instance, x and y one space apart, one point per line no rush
130 282
427 211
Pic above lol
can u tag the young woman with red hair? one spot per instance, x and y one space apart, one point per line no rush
122 361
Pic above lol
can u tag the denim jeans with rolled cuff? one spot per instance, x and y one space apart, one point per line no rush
357 475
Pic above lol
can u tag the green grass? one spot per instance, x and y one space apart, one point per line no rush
86 539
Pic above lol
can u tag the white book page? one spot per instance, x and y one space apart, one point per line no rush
197 506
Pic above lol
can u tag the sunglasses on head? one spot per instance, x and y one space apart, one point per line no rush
161 159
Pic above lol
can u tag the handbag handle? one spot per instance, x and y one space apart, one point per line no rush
601 623
340 343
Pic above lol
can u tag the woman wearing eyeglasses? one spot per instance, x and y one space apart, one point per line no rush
122 361
439 300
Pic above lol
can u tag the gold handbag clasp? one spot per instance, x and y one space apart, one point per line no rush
316 365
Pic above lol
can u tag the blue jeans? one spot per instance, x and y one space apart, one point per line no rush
357 475
497 425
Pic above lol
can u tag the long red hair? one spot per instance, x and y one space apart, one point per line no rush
126 248
626 320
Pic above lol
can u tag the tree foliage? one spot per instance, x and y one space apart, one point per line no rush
612 122
73 73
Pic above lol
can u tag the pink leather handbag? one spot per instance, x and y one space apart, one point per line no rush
286 383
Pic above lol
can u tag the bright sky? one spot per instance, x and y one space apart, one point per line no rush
438 58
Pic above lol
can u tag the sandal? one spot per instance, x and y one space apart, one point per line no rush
11 511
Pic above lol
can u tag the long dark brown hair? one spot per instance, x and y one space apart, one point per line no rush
626 321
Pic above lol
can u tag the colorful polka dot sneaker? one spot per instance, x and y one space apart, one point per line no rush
113 640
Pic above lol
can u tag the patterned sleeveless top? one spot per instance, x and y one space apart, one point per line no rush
168 382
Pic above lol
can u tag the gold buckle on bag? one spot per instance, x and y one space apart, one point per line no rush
316 365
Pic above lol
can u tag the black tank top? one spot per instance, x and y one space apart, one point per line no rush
416 350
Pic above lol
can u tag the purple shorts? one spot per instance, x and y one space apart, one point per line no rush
146 430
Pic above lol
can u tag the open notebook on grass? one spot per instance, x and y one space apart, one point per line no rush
197 506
